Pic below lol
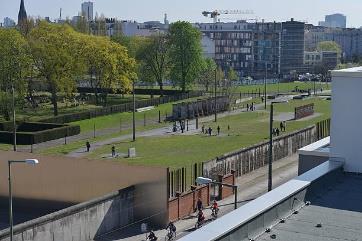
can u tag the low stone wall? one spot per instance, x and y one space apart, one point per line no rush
81 222
254 157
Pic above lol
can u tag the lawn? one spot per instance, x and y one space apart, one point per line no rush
282 87
246 129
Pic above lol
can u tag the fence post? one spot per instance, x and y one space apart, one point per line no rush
197 123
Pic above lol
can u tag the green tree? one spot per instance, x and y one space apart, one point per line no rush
108 64
330 46
56 51
154 60
14 68
207 75
232 75
185 54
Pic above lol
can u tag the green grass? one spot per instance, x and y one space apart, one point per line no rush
246 129
125 118
282 87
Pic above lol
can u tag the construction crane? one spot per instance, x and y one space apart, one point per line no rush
214 14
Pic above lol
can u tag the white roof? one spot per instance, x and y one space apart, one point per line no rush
355 72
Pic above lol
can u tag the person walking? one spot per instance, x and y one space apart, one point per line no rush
210 131
113 151
281 126
199 205
218 130
87 145
203 129
247 106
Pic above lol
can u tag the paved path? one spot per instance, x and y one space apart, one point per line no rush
250 186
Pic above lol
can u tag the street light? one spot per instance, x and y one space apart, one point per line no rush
270 164
14 119
206 181
133 112
32 162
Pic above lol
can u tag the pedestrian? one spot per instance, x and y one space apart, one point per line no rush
277 131
199 205
203 129
284 125
247 106
218 130
210 131
87 144
281 126
228 130
113 151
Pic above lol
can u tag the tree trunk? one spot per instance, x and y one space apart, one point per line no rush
161 88
54 99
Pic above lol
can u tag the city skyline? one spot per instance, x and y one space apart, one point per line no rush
189 11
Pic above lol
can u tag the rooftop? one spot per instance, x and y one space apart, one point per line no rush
338 210
350 72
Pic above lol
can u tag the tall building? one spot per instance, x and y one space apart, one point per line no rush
334 21
257 49
87 10
292 47
9 23
349 39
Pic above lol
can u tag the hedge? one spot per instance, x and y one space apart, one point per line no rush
33 133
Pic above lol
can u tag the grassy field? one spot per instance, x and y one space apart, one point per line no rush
245 129
283 87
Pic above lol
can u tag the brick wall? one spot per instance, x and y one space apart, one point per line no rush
185 204
227 191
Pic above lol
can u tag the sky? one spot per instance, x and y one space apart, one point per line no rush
311 11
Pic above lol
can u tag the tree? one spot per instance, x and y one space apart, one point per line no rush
185 54
56 51
14 67
330 46
232 75
207 75
108 64
154 60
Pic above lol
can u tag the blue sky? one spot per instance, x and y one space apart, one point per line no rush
190 10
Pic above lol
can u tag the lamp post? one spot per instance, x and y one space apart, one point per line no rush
14 119
270 163
266 75
29 162
205 180
133 112
215 95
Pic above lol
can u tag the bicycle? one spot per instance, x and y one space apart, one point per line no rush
199 224
214 212
171 235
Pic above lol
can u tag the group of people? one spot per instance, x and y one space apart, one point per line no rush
276 131
200 214
250 107
182 126
208 131
171 232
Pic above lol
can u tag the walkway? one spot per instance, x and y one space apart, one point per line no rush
250 186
